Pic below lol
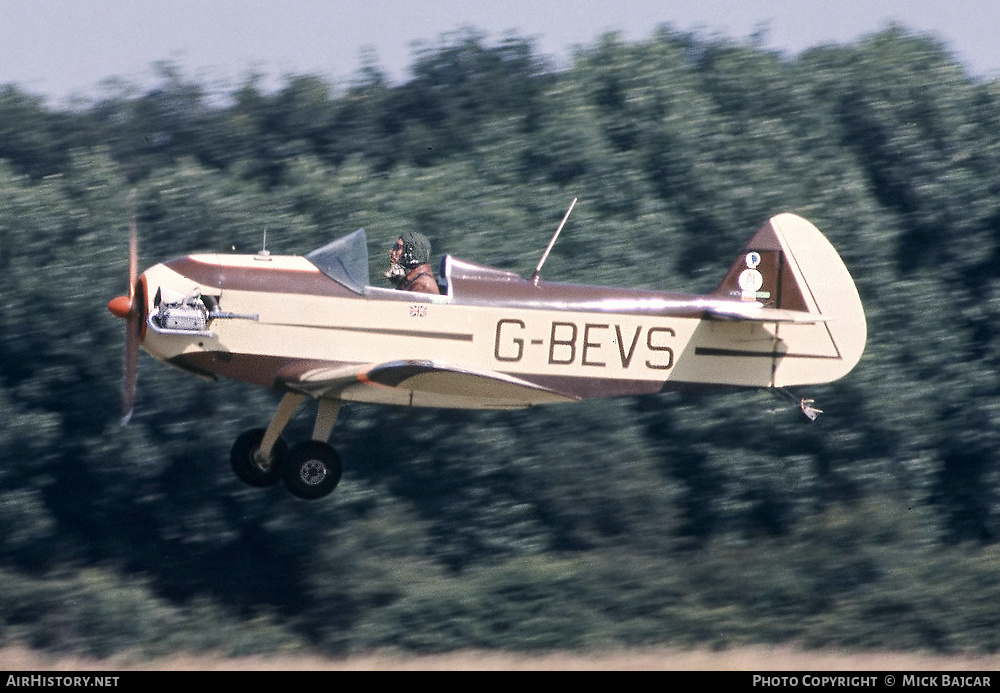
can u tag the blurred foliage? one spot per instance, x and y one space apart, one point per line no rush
684 518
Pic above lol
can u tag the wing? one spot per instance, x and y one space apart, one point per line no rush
419 384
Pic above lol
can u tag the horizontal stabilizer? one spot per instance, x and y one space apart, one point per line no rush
757 313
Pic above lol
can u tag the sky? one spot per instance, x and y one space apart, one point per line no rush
64 48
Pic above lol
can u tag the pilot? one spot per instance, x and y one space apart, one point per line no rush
409 267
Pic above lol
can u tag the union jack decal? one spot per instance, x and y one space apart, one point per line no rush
418 311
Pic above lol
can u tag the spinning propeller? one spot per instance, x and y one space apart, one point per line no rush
129 308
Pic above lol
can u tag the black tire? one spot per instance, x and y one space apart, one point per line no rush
242 459
311 469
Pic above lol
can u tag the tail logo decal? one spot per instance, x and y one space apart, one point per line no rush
751 279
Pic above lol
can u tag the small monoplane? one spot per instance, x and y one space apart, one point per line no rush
786 314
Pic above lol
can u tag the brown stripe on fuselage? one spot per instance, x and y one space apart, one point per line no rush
261 279
394 332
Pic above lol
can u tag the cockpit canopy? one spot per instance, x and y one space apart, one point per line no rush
344 260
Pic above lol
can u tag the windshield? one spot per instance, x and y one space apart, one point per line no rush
344 260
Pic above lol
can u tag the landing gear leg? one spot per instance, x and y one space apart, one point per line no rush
286 410
257 454
326 417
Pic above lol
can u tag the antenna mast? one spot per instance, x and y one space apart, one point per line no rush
535 277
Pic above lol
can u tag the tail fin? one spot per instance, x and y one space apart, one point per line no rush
789 265
763 271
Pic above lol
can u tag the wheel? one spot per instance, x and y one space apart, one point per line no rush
311 469
244 462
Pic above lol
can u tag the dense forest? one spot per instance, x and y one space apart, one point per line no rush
686 519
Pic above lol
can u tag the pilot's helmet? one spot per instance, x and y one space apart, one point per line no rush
416 250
